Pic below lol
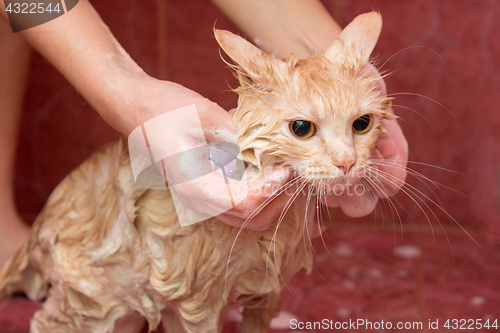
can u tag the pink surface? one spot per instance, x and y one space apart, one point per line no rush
446 51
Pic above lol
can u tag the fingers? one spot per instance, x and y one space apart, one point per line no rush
358 205
265 199
262 219
234 201
218 125
391 152
373 72
355 200
391 157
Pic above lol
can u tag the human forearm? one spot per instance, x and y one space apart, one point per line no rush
281 27
83 49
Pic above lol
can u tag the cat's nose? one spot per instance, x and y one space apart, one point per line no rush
346 166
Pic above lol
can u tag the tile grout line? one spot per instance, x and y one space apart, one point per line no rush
162 33
419 278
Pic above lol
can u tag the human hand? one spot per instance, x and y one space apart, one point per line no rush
389 158
178 136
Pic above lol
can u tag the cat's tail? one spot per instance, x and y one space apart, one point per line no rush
17 275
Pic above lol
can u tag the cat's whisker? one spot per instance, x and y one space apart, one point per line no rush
393 201
318 216
327 210
398 163
418 176
423 96
372 182
412 47
393 198
289 202
411 197
322 202
387 176
415 111
411 194
321 225
419 163
283 188
440 224
413 173
421 178
382 209
304 227
273 239
283 213
366 183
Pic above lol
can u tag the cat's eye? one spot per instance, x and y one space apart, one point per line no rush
362 124
302 129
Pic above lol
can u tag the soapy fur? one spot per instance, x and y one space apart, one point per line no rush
104 251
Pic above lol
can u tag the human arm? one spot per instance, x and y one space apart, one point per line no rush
83 49
281 27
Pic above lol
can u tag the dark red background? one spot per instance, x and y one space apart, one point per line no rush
446 51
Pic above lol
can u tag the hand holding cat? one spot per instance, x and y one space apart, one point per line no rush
205 192
391 155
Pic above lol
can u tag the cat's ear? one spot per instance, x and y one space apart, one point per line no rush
254 64
357 40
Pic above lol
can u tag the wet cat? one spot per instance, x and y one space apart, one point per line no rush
104 251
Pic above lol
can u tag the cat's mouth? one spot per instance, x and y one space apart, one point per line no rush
332 181
330 176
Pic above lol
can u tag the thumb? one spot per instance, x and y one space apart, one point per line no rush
218 124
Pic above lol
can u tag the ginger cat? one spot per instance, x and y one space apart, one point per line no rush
104 251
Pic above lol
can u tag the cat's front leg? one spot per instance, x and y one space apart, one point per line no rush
256 318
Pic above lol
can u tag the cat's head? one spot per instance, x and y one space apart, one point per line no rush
321 115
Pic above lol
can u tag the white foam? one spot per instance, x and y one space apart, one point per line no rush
407 251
